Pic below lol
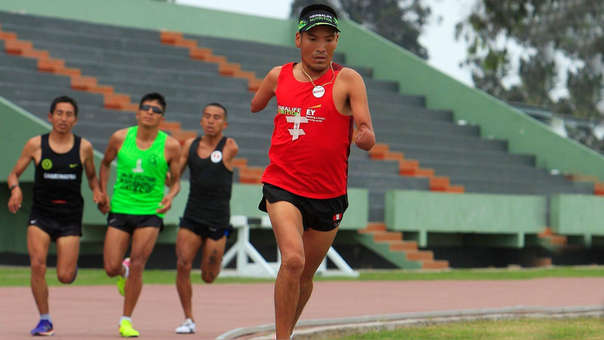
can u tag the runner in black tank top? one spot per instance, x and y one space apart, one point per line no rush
56 213
205 223
57 183
210 190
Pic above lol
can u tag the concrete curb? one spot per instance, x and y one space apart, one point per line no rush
324 328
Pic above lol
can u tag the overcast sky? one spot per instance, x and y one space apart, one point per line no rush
445 52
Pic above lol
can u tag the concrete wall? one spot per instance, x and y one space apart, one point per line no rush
578 215
428 212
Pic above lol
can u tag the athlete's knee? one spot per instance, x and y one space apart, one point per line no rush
112 269
208 276
184 266
66 276
293 264
137 266
38 267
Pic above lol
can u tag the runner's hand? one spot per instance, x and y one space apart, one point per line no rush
165 205
102 202
15 201
364 138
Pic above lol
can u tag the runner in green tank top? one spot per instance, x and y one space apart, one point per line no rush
146 157
139 186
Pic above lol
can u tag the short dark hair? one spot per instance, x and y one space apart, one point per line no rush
64 99
154 96
217 105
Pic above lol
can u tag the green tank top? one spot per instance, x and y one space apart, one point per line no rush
141 176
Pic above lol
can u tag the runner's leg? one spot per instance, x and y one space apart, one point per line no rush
316 245
143 242
68 249
287 227
38 242
187 245
211 258
116 245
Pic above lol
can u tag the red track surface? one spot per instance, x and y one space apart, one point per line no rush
93 312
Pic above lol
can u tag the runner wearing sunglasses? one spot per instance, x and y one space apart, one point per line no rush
145 156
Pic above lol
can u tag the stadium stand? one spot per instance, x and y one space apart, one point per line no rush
107 68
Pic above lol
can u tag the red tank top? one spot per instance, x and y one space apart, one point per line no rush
311 140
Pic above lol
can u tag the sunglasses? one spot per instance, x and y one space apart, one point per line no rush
155 109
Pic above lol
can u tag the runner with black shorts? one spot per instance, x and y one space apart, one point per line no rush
205 223
306 180
145 156
56 212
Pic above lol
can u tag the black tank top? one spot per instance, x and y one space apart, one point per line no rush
211 183
57 185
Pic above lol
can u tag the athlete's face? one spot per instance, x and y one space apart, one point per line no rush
317 46
213 120
63 118
150 113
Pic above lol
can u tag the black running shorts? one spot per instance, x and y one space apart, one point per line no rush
56 227
128 222
317 214
205 230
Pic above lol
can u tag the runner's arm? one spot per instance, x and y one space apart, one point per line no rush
230 151
115 142
27 155
90 170
173 158
364 136
184 156
266 91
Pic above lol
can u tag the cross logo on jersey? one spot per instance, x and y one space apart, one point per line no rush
296 131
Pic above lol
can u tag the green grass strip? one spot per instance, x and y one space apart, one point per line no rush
525 329
19 276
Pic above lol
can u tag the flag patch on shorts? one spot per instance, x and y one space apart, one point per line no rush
337 218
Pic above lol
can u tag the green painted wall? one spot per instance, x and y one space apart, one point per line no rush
577 215
16 129
156 15
496 119
429 212
13 237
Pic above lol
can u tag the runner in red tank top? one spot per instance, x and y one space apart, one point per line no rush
305 183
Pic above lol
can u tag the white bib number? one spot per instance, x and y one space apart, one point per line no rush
216 156
318 91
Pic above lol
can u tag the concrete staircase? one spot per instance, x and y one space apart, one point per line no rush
391 246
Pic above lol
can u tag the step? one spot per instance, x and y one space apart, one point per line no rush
420 255
403 246
376 226
435 264
381 236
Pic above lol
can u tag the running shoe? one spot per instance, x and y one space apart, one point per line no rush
121 280
126 330
187 327
44 328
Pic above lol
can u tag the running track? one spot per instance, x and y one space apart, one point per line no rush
92 312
